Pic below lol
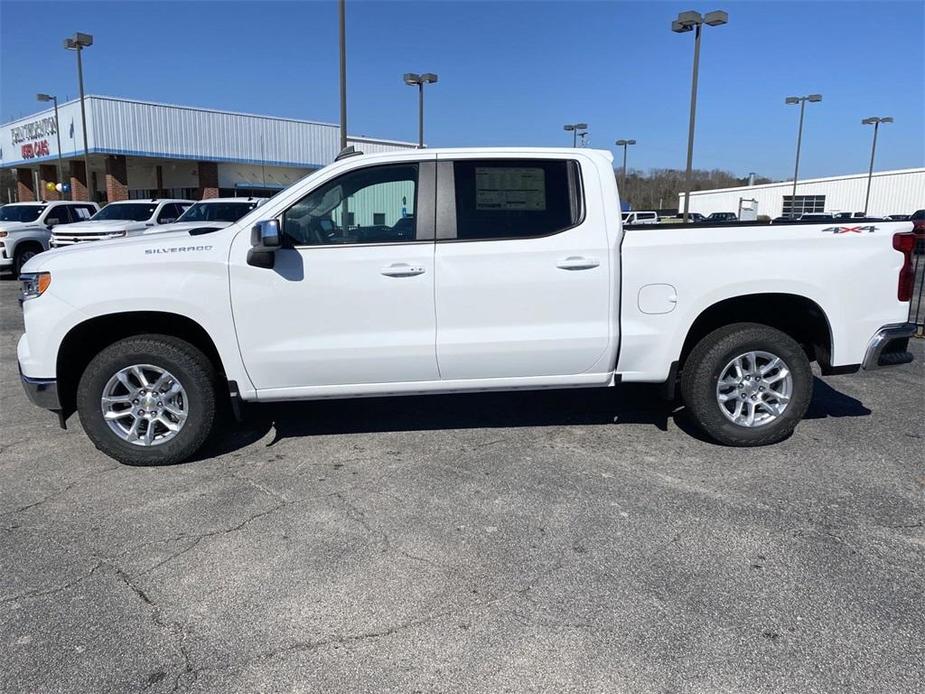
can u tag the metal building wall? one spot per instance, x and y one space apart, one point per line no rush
891 192
144 129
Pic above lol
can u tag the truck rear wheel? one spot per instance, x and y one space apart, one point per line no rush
148 400
747 384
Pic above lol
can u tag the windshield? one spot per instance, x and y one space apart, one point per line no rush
133 211
20 213
217 211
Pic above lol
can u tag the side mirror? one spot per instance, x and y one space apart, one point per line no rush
169 220
265 240
52 221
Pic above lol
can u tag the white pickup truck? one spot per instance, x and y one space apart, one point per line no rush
25 227
120 219
456 270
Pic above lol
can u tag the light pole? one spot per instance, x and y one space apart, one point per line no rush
77 43
801 100
874 121
413 79
575 129
624 144
693 21
342 34
46 98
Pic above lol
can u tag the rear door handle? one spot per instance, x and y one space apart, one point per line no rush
576 262
402 270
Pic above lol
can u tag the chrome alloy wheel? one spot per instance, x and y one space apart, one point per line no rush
754 389
144 405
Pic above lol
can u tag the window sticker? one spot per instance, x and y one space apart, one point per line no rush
510 188
82 212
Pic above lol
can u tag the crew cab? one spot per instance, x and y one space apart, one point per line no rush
213 214
456 270
25 228
119 219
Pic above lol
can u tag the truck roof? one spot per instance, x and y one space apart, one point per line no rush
452 151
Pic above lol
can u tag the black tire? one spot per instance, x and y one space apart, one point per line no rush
703 368
23 254
190 366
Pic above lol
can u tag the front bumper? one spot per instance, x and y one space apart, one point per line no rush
890 346
42 392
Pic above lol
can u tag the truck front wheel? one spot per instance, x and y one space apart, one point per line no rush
747 384
148 400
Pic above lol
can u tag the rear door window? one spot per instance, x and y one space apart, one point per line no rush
515 198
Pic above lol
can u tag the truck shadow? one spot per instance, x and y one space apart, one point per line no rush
625 404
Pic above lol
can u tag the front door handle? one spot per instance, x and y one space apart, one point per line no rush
402 270
576 262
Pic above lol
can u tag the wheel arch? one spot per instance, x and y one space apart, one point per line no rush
86 339
796 315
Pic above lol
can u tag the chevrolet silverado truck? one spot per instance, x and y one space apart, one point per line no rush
456 270
120 219
25 228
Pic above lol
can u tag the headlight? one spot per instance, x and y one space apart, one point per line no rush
2 234
34 284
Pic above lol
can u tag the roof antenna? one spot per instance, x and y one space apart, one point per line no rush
348 151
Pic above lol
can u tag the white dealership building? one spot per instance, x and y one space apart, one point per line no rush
901 191
140 149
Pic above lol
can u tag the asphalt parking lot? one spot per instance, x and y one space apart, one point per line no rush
559 541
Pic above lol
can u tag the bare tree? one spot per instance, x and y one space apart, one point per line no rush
658 189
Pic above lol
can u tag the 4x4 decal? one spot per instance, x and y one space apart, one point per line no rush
850 230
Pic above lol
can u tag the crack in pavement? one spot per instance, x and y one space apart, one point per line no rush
59 492
212 533
177 633
51 591
386 631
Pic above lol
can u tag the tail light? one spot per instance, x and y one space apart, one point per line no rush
905 244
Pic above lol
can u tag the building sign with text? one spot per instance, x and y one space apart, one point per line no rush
32 137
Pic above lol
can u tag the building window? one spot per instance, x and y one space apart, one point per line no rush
151 193
794 206
379 219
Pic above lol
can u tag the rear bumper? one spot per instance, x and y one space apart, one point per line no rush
41 391
889 346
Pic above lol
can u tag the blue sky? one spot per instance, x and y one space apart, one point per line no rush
511 73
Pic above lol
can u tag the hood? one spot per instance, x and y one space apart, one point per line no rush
186 226
19 226
101 253
101 226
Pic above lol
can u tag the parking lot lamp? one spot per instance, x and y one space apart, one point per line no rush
342 44
624 144
77 43
413 79
46 98
801 100
874 121
693 21
576 130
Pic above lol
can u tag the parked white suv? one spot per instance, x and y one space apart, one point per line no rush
119 219
456 270
25 227
214 213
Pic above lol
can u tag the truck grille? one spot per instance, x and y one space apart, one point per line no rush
60 241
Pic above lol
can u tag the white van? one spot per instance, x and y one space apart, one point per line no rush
640 217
